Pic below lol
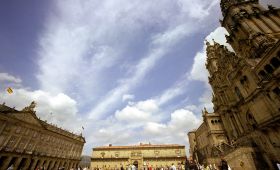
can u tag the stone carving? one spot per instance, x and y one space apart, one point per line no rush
259 42
30 108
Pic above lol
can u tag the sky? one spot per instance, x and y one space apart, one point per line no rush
120 72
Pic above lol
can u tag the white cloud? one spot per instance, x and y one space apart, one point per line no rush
5 77
58 109
175 129
141 69
127 97
85 43
132 114
197 9
199 71
219 36
148 105
87 50
138 112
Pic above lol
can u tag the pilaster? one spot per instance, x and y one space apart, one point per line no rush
6 163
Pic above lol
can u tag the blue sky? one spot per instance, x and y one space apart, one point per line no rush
127 71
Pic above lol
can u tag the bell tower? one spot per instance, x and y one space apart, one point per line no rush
252 28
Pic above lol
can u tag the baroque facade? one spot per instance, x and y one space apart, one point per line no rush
207 139
246 86
26 142
143 155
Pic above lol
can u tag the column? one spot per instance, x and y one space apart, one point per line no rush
17 162
34 162
46 164
27 163
41 163
71 164
6 163
67 165
51 164
57 165
63 164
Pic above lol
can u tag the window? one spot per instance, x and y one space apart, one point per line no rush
117 154
102 154
276 91
244 80
262 74
268 68
275 62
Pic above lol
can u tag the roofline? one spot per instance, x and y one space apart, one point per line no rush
138 147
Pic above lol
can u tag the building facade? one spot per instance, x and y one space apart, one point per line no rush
246 84
26 142
207 140
143 155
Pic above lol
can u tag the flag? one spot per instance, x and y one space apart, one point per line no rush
10 90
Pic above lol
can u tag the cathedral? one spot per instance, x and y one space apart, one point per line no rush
244 129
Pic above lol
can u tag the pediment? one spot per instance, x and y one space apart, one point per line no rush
27 117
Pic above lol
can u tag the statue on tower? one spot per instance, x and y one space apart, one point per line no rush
30 108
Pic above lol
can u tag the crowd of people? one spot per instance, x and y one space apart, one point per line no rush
187 165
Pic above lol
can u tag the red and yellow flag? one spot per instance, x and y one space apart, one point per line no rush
10 90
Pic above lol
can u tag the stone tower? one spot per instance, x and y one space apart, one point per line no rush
252 28
246 83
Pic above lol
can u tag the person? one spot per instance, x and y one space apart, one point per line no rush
187 165
122 167
224 165
278 165
11 167
150 167
133 167
173 167
179 167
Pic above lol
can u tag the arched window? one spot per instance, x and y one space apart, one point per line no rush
262 74
275 62
276 91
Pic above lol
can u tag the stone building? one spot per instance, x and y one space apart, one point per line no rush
26 142
143 155
206 141
246 85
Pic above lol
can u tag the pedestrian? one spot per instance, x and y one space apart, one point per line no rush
224 165
133 167
11 167
173 167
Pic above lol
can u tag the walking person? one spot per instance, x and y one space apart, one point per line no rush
224 165
173 167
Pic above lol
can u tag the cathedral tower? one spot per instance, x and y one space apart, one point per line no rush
252 28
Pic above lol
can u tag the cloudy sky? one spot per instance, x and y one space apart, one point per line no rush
127 71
